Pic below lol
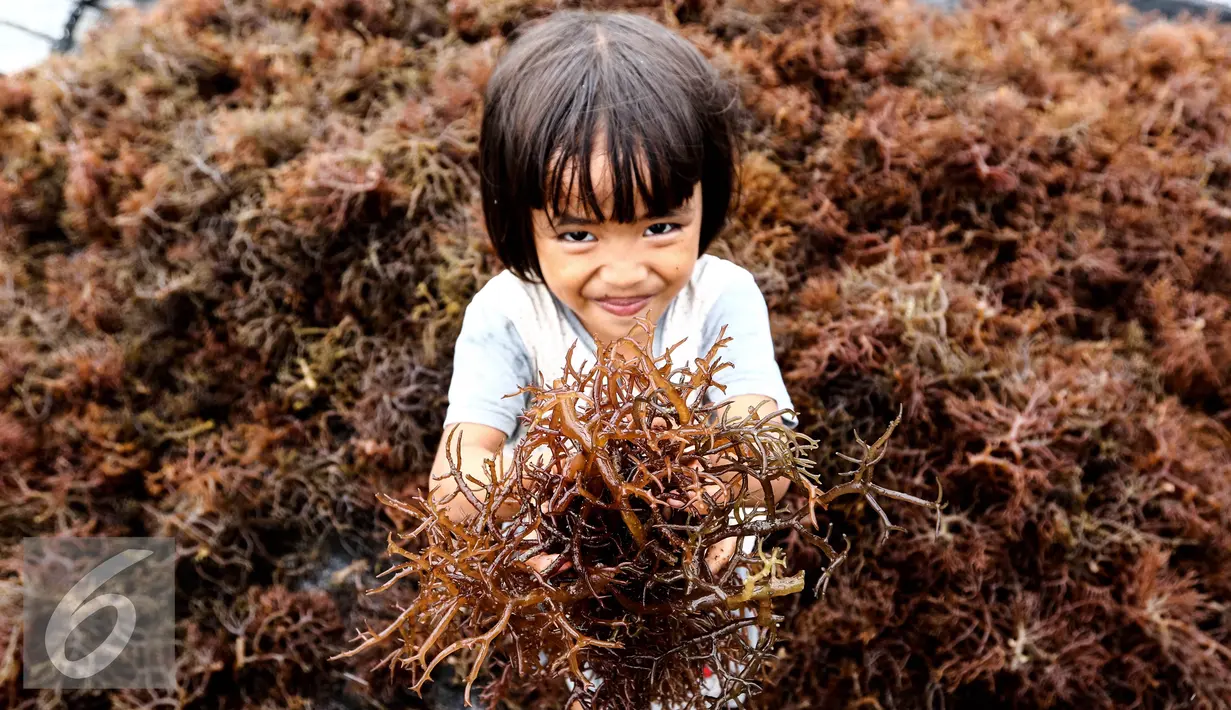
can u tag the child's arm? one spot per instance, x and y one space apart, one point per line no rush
755 381
736 408
490 362
479 442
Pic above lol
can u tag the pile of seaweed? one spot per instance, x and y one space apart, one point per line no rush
237 238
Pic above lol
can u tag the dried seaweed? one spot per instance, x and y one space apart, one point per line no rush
627 475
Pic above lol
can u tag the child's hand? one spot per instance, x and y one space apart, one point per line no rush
720 553
542 562
716 557
696 503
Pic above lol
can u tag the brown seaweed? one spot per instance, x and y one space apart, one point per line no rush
626 476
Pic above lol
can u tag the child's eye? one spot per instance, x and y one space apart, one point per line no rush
661 228
576 237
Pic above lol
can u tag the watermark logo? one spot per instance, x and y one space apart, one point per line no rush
99 613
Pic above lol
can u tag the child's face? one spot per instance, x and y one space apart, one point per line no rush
609 273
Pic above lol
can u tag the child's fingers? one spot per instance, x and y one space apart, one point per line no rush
719 554
538 563
544 562
696 502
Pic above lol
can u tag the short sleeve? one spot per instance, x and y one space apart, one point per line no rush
489 361
741 307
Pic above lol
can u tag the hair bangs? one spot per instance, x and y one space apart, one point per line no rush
650 160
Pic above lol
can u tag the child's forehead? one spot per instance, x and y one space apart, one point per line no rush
572 202
602 178
623 177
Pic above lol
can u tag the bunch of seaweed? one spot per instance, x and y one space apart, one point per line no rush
626 476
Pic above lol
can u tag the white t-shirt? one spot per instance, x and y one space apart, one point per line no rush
515 331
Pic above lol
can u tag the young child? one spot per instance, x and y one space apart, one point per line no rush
608 154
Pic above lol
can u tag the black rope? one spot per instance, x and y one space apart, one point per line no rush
67 39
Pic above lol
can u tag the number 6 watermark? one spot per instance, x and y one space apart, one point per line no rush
99 613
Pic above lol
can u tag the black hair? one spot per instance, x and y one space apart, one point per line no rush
669 118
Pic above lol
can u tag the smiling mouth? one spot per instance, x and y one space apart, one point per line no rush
624 306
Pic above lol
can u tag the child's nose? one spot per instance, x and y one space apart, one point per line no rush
624 273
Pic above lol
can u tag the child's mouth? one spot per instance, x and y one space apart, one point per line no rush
624 307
